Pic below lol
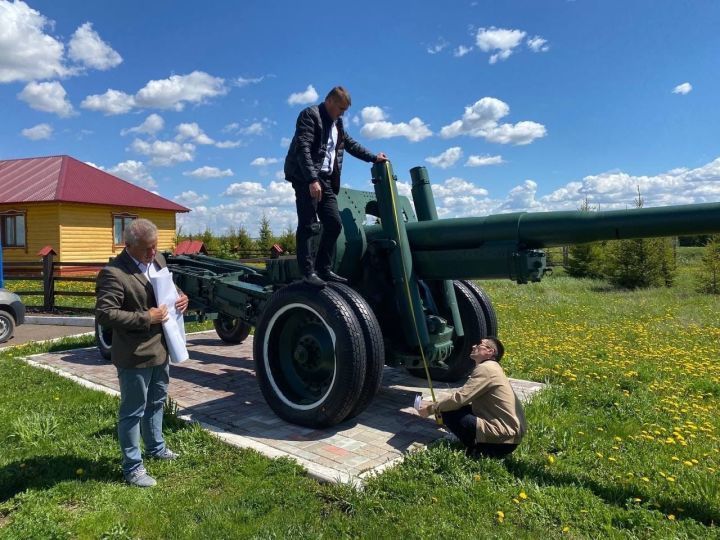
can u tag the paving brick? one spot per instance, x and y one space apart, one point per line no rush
225 393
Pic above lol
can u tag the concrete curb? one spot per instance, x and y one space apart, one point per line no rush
60 320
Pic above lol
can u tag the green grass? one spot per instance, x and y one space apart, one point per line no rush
624 444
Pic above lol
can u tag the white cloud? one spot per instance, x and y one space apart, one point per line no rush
498 39
447 159
193 133
481 161
150 126
242 81
228 144
378 127
47 97
537 44
243 189
263 161
26 51
39 132
372 114
110 103
164 153
231 128
481 120
310 95
134 172
190 198
461 50
177 90
256 128
209 172
285 142
87 48
683 88
438 46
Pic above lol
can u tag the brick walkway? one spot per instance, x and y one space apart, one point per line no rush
217 388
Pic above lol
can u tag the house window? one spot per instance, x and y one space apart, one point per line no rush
12 229
120 221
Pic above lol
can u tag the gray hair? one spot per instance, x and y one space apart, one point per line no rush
140 229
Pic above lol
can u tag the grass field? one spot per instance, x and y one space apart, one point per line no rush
624 444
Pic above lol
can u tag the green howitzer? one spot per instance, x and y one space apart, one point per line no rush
319 353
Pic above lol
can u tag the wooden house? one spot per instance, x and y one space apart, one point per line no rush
75 208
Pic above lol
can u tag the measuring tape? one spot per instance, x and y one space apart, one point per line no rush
438 417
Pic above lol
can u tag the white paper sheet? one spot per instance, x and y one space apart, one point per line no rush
174 327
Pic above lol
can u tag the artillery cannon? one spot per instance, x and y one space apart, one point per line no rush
319 353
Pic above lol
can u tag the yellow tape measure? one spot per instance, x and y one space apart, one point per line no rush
438 417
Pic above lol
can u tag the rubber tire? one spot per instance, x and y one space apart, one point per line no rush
231 330
101 340
374 346
491 320
459 363
349 355
7 325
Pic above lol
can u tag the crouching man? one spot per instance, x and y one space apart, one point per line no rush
485 414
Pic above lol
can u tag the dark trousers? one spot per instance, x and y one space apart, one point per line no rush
308 212
463 423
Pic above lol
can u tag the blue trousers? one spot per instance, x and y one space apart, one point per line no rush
142 398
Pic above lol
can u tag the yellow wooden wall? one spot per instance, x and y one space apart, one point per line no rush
41 230
81 232
86 232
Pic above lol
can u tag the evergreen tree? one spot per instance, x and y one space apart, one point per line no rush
287 240
640 262
584 259
244 244
708 276
266 239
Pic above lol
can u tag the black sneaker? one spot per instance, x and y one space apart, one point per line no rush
314 280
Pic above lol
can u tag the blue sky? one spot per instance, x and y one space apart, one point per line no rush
512 105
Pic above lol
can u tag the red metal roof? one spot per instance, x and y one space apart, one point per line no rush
65 179
190 247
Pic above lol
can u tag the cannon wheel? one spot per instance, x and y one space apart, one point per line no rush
481 296
374 347
459 363
103 339
309 355
231 329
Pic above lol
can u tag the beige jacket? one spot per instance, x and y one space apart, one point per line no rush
501 418
124 296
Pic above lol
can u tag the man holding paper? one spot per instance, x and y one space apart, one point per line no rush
126 302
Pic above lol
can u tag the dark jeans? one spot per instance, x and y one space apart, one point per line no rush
308 212
463 423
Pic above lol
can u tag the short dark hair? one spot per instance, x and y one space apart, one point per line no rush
499 346
339 94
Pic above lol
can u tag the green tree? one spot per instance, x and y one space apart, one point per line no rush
708 275
287 240
244 244
640 262
584 260
266 238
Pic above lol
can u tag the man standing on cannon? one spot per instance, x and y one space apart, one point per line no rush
313 165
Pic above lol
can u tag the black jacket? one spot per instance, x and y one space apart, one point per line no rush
308 147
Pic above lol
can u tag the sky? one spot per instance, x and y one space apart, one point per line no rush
511 105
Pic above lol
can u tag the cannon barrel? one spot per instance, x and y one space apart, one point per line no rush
505 245
534 230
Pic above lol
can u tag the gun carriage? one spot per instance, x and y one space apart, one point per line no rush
410 302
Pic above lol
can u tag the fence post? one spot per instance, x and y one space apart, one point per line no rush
47 254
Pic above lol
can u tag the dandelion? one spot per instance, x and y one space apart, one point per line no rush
500 516
551 459
565 529
671 517
516 501
80 472
523 495
477 477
